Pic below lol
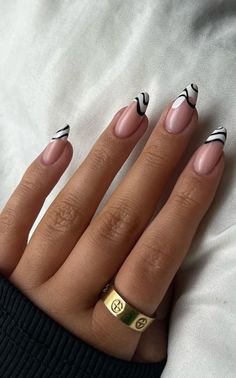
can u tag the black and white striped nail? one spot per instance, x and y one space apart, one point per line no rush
142 102
132 117
219 134
56 146
208 155
62 133
189 94
182 109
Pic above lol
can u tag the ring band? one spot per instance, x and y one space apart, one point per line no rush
123 310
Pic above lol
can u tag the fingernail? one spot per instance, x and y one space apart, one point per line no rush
130 120
56 146
209 153
182 109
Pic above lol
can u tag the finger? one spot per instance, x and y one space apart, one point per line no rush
150 267
23 206
73 208
152 345
113 232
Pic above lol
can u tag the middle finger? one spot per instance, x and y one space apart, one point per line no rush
113 232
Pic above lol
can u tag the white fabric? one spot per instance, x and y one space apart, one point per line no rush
78 62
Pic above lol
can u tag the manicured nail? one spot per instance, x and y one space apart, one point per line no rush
209 153
56 146
130 120
182 109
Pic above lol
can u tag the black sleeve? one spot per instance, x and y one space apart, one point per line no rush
34 345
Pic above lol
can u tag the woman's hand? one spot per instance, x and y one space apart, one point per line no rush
73 255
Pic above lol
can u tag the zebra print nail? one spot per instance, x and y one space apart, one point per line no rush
208 155
189 94
142 102
219 135
62 133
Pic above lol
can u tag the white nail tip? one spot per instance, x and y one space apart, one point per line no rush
189 94
142 102
178 102
61 133
219 134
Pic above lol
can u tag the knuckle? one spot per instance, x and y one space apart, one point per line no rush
99 157
154 156
187 198
156 256
26 186
64 215
30 180
7 220
116 222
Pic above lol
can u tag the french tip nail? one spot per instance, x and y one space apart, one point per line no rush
222 128
192 91
142 102
68 129
62 133
189 94
219 134
194 87
146 96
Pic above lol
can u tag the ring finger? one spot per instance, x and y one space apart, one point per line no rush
155 259
147 272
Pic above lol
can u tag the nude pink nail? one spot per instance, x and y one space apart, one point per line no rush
130 120
56 146
209 153
182 109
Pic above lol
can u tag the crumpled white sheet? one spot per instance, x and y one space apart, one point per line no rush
78 62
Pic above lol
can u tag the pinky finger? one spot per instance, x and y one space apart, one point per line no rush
25 203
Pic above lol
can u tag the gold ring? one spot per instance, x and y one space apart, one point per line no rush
123 310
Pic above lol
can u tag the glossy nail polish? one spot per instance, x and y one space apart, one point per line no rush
130 120
56 146
182 109
209 153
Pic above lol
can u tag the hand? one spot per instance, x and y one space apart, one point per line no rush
73 254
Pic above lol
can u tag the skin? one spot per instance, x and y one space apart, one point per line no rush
72 254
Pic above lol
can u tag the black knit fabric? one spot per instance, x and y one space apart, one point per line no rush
34 345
